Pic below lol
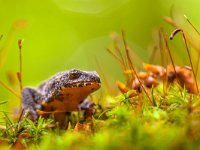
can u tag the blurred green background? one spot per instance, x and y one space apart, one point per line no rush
63 34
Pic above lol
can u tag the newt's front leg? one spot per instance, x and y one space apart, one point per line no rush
89 108
31 100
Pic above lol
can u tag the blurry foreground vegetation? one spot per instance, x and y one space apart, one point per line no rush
123 123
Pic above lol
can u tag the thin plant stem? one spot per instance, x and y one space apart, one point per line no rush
197 65
169 52
115 57
132 68
192 25
164 78
121 56
103 75
20 65
9 89
153 55
187 49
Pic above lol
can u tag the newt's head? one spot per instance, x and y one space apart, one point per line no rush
78 78
86 81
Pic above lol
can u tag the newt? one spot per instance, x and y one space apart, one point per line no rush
63 93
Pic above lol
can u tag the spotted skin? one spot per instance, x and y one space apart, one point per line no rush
63 93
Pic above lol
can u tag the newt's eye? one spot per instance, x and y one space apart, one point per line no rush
74 75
